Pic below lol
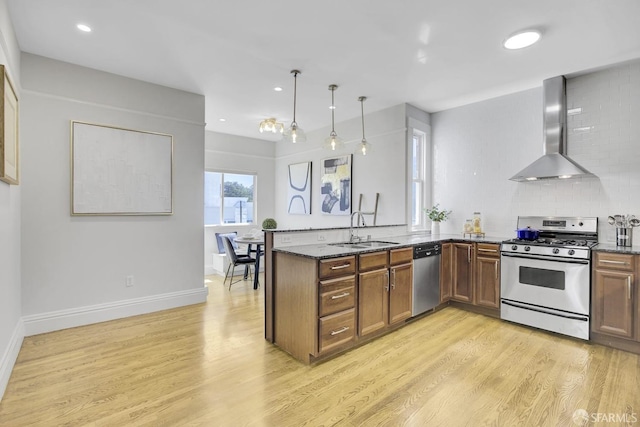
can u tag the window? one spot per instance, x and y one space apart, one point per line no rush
419 177
229 198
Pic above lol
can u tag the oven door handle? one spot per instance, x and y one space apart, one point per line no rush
544 258
541 310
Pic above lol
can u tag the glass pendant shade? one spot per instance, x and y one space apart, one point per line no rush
363 147
294 133
333 141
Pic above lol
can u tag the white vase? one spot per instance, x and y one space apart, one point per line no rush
435 227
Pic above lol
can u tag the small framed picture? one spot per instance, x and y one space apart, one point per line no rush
9 160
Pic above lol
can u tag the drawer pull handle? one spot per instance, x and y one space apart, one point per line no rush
346 294
339 267
339 331
606 261
487 250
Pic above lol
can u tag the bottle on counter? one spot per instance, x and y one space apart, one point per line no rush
468 226
477 219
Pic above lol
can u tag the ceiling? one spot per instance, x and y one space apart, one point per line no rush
432 54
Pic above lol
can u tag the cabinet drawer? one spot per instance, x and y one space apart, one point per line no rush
400 256
610 261
488 250
336 329
373 261
336 267
337 295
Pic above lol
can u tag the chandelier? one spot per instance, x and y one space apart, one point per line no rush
271 125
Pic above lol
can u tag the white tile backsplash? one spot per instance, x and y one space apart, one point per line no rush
478 147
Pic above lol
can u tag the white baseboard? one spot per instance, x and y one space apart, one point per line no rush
10 356
80 316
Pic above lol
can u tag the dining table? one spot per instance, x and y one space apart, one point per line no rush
259 244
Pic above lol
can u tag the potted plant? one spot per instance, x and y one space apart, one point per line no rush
437 215
269 224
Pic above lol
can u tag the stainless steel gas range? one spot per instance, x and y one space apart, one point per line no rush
546 282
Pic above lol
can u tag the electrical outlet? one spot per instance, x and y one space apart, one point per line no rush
129 281
321 237
286 239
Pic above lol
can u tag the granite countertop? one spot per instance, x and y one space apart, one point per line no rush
328 250
610 247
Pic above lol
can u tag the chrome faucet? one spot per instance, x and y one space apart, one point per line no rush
354 237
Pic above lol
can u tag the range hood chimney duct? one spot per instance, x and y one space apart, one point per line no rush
554 164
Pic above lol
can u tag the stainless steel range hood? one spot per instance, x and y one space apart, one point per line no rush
554 164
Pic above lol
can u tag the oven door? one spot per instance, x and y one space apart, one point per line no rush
562 285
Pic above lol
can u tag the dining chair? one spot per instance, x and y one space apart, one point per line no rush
235 259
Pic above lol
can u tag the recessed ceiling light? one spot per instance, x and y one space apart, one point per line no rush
277 89
522 39
83 27
222 120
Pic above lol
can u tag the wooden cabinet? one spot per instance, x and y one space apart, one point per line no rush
470 273
336 302
487 283
373 309
614 294
385 289
446 272
462 272
401 284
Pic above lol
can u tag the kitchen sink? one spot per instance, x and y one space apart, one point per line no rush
364 245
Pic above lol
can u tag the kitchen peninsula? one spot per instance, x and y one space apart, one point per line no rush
324 298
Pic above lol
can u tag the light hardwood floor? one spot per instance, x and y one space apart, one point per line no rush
209 365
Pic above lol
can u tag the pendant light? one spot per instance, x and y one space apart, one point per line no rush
364 147
294 133
333 142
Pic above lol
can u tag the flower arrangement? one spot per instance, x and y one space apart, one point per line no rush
436 214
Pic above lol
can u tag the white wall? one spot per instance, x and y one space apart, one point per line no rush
382 171
74 268
230 153
11 329
478 147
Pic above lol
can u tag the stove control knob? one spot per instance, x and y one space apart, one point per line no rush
514 247
571 252
581 223
556 251
527 248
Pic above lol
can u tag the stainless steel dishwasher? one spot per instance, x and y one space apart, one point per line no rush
426 277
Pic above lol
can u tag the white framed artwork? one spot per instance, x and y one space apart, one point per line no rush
335 185
299 189
117 171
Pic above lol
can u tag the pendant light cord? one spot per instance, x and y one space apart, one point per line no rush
295 87
362 99
333 109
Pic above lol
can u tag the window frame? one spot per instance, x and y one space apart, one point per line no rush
224 172
417 129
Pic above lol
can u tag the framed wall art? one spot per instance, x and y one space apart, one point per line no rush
299 189
335 186
116 171
9 142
